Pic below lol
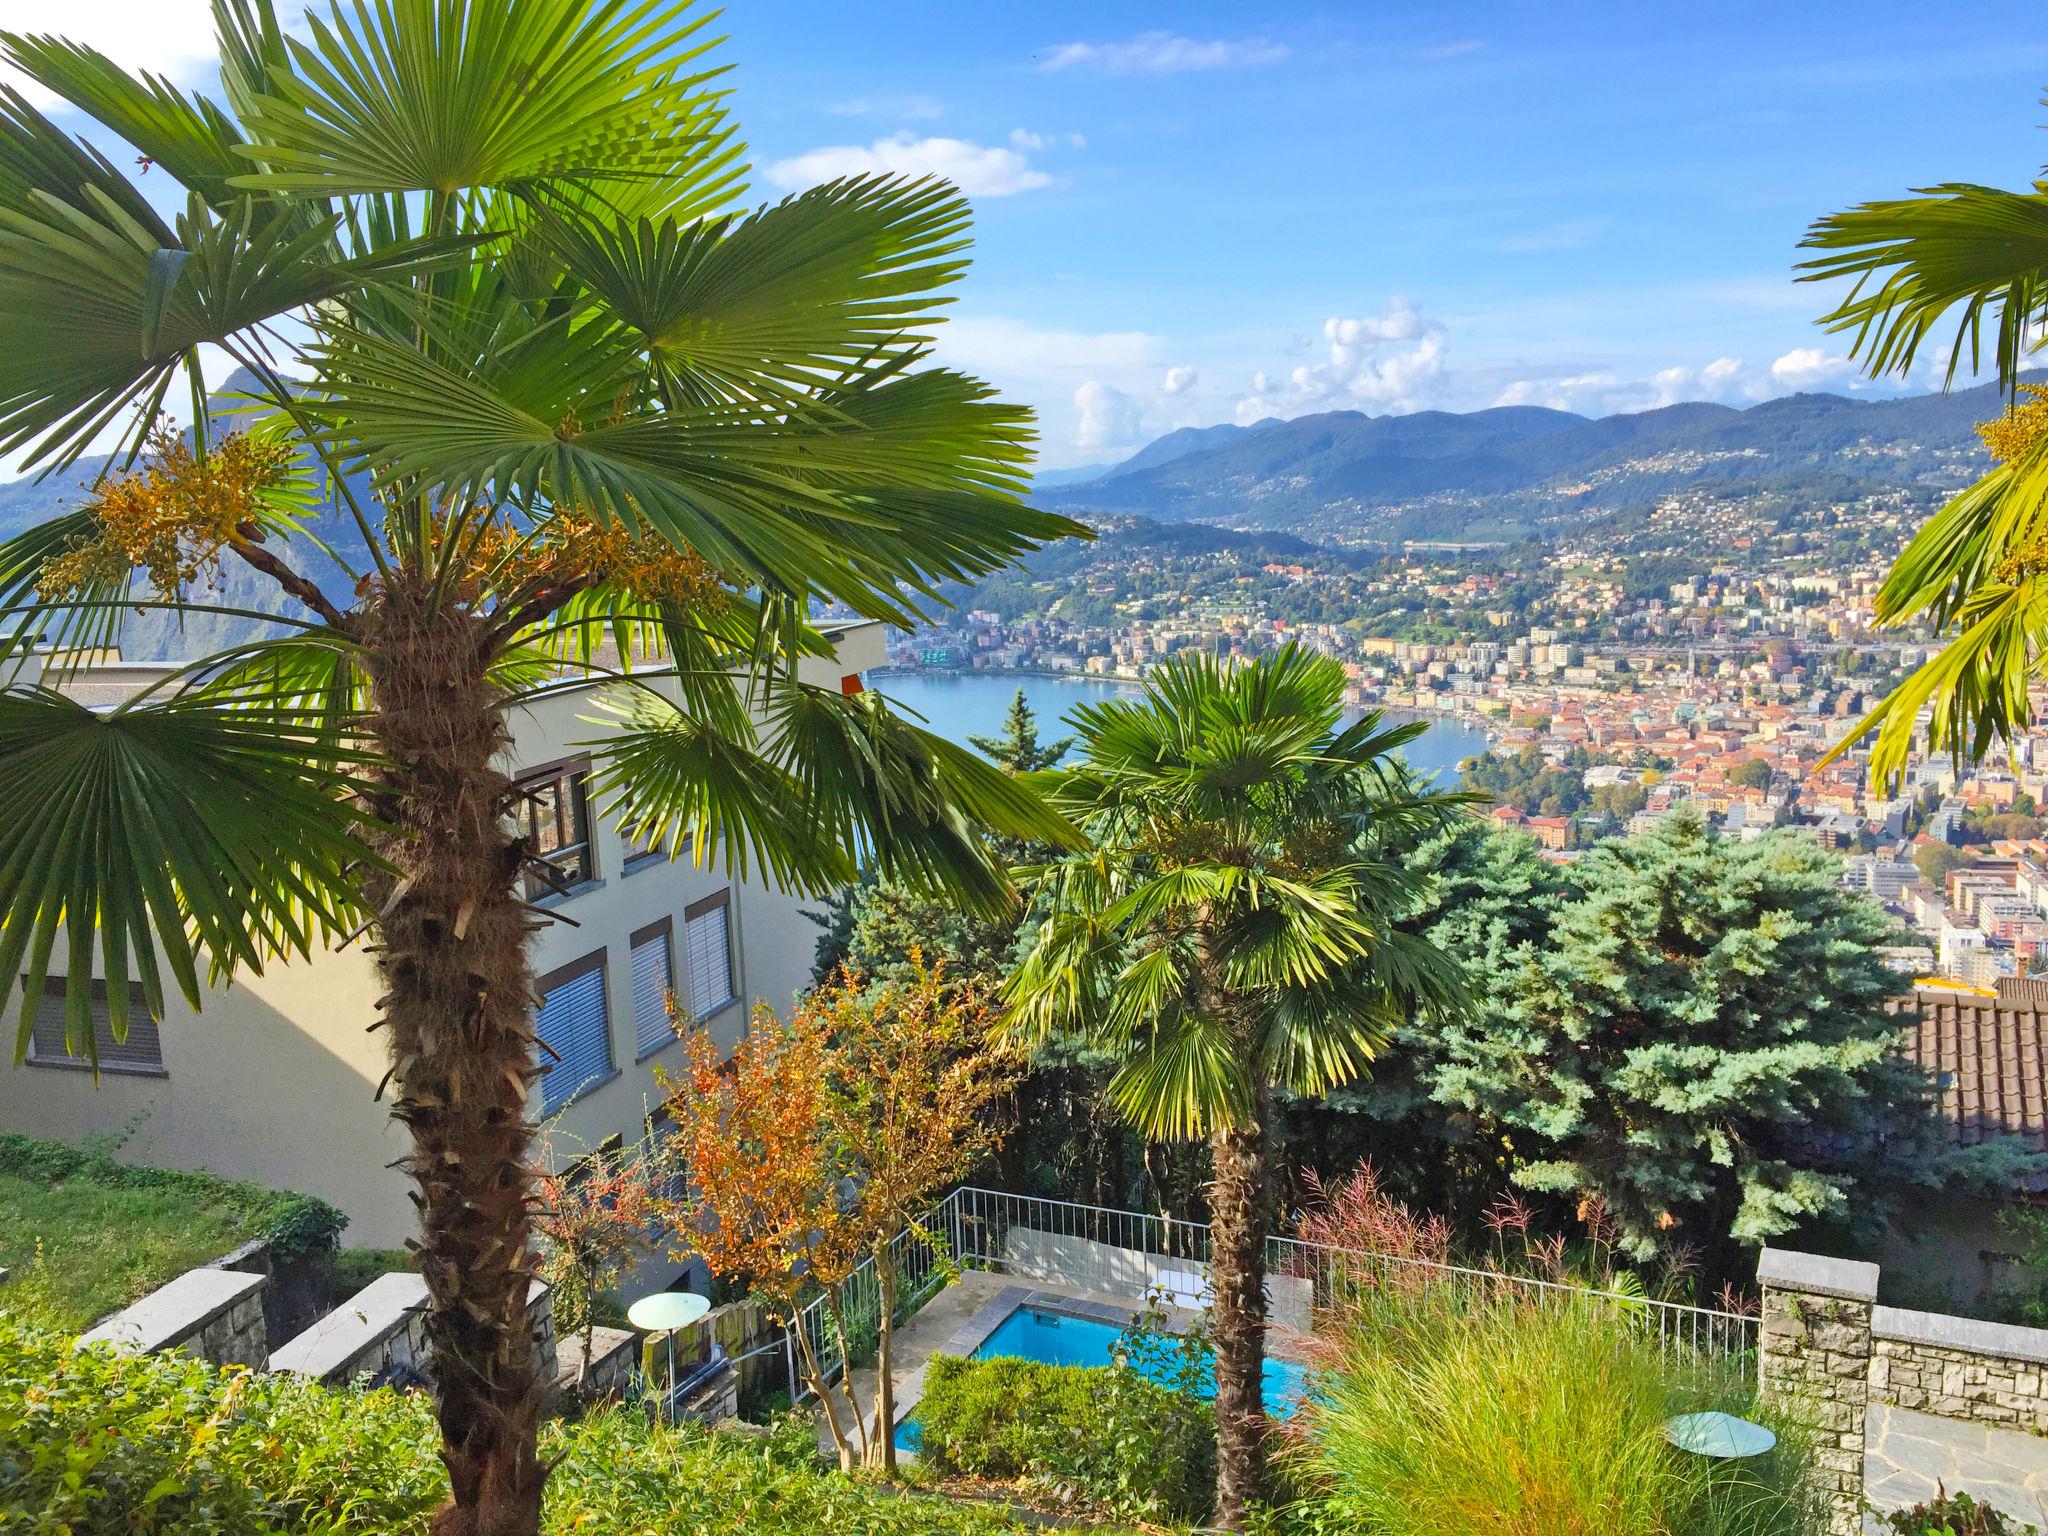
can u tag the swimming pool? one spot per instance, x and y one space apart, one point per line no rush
1034 1333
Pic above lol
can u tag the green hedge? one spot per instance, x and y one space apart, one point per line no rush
294 1224
1100 1433
92 1442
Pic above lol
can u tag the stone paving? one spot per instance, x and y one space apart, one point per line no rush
1907 1453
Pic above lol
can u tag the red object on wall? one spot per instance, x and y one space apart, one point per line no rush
850 684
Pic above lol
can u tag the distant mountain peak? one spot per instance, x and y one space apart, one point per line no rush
1346 474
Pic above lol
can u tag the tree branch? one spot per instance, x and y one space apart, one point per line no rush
546 600
245 543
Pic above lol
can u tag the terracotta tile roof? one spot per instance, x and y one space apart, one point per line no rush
1988 1057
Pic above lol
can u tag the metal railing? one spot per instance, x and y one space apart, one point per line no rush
1132 1255
920 1255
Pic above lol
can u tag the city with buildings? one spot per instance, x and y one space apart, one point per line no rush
1610 695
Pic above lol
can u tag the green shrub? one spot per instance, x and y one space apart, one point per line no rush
1468 1411
1953 1514
1103 1434
93 1443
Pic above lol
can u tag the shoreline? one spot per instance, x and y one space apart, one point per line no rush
1398 713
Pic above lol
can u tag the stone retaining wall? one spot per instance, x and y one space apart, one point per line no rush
1830 1354
614 1360
1959 1368
381 1333
1815 1365
216 1314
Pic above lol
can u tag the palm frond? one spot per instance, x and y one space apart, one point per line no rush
439 96
780 303
1976 252
183 825
1184 1080
188 136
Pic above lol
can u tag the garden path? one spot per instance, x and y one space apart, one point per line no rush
1907 1453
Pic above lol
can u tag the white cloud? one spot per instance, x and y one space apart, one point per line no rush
166 37
889 106
1595 393
1163 53
1178 381
1024 138
1724 379
1391 359
980 170
1811 368
1108 417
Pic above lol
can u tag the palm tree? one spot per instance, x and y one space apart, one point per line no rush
1230 933
482 266
1977 257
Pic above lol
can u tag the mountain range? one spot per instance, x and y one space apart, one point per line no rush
1503 472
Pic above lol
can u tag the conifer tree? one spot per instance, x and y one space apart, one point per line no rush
1702 1040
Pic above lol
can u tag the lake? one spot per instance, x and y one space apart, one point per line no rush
962 704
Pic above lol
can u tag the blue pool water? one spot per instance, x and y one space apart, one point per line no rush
1056 1339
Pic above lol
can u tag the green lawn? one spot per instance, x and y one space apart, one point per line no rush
82 1235
79 1250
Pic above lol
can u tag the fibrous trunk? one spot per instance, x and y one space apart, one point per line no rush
1237 1274
459 1008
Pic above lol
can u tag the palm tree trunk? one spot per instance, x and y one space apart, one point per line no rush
459 1006
1237 1274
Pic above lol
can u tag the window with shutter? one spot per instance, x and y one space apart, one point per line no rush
654 978
707 939
577 1028
142 1053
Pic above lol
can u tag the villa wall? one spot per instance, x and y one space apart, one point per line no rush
1831 1355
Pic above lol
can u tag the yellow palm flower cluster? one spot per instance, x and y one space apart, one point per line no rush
2013 435
172 519
575 548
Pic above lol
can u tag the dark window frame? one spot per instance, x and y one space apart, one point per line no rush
575 860
663 928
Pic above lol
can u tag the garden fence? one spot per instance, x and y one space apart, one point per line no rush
1133 1254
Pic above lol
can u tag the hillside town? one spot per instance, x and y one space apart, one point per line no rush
1610 700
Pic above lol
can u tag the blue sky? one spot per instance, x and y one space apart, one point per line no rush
1199 213
1388 207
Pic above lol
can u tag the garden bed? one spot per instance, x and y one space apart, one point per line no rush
82 1236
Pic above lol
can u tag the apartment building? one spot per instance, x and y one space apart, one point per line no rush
274 1078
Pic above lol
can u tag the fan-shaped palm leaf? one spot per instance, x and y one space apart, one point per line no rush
200 829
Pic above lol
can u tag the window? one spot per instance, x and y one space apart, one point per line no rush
654 977
142 1053
576 1025
641 852
554 818
707 943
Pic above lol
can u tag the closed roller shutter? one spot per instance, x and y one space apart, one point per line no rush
142 1052
653 979
574 1024
707 934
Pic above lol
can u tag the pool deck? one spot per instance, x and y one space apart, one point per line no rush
960 1318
